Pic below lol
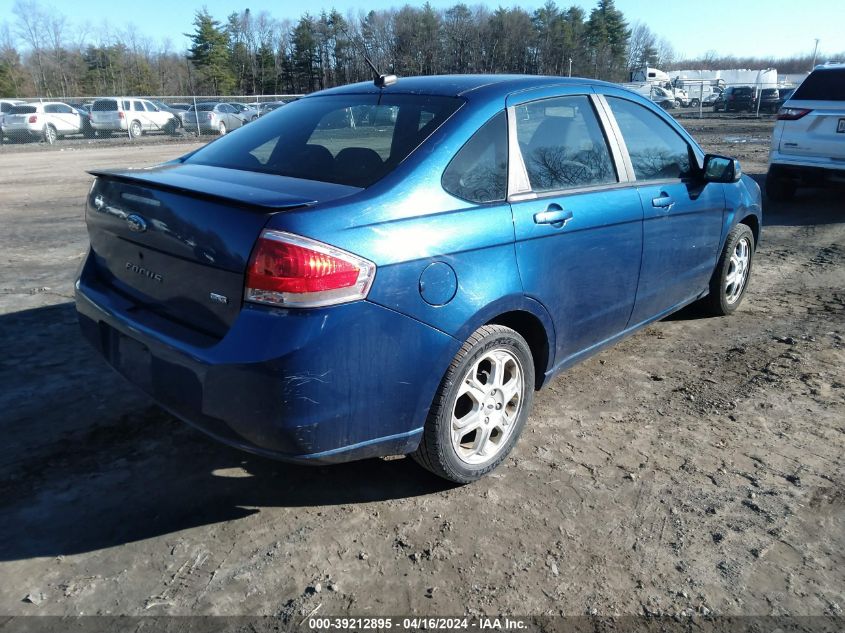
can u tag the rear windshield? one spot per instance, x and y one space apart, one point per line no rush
742 91
347 139
203 107
822 85
23 109
105 105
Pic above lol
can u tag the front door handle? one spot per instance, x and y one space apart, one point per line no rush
554 215
664 201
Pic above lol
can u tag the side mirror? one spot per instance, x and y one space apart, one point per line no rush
721 169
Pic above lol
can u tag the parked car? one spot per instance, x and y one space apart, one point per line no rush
215 118
808 141
784 95
769 99
130 115
5 106
737 99
176 112
663 98
266 108
321 297
47 121
246 112
84 111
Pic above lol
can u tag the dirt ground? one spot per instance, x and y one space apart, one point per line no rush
698 466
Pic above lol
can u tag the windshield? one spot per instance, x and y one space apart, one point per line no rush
347 139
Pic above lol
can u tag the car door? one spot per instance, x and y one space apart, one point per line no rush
682 215
577 222
140 114
70 121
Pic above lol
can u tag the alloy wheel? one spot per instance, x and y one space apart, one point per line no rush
738 272
487 406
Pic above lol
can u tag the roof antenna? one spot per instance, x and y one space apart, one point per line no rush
380 81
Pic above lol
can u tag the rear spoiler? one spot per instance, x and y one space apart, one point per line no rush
253 189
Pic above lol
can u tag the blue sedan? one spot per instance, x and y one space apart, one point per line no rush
396 269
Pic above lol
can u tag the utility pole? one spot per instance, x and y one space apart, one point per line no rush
815 50
570 66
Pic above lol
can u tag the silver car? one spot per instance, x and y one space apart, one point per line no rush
130 115
214 118
808 141
247 112
49 121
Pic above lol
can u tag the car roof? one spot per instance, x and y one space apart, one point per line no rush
462 85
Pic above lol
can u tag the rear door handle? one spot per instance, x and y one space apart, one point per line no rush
664 201
554 215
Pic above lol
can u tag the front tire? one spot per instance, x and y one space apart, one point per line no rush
730 279
50 134
481 406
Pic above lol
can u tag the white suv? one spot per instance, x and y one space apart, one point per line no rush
132 115
48 121
808 142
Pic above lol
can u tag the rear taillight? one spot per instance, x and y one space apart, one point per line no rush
289 270
33 119
120 115
792 114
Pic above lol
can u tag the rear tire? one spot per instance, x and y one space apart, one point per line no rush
730 279
221 129
135 130
778 188
481 406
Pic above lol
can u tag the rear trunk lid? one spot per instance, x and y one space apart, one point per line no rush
820 133
176 239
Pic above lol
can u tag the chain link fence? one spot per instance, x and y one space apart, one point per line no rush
54 120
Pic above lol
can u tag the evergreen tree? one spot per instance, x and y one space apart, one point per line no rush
210 55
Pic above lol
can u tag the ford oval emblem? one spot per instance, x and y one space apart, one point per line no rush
136 223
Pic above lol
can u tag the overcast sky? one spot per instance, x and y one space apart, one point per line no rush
778 28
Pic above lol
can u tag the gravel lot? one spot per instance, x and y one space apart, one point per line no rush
698 466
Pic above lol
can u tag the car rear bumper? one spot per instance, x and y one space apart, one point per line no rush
311 386
807 170
110 126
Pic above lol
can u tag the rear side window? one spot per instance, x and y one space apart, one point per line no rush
23 109
347 139
822 85
562 144
657 151
479 171
105 105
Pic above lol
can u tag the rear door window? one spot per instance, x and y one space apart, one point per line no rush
657 151
562 144
822 85
479 171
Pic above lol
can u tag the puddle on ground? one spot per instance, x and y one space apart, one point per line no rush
745 139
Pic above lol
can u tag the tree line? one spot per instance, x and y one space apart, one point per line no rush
43 54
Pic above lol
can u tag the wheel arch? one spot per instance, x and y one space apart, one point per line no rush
526 316
753 223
